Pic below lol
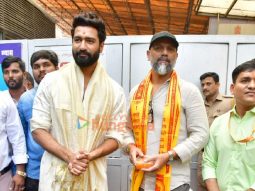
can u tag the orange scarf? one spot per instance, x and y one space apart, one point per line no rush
169 131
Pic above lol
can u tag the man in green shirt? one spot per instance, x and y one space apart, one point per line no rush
229 157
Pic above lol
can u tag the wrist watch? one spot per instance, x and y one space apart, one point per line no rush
171 156
21 173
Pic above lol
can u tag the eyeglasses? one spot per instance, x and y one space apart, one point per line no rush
150 113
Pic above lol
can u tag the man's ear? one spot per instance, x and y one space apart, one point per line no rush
148 55
101 47
24 76
232 87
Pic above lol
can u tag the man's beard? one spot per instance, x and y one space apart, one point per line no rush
85 61
14 84
163 69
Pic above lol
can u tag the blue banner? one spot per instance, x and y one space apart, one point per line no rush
8 49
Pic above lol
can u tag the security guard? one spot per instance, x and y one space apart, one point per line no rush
216 104
219 106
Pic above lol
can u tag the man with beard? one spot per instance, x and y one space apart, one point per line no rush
177 128
42 62
216 104
79 114
228 160
13 71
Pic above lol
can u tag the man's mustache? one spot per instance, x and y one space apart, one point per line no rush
164 59
83 53
10 81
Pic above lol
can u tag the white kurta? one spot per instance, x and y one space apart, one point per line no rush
78 124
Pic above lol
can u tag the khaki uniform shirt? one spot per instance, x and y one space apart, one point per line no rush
221 105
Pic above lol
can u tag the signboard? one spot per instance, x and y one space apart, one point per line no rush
230 28
8 49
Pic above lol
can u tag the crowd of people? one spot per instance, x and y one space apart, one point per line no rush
56 136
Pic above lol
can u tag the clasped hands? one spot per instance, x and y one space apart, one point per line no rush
79 162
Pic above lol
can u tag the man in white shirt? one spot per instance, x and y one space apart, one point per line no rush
11 133
78 115
168 119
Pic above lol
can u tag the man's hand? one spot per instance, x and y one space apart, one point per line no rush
134 153
17 183
212 184
158 160
250 189
79 163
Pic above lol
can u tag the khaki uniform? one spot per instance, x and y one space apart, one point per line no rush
221 105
